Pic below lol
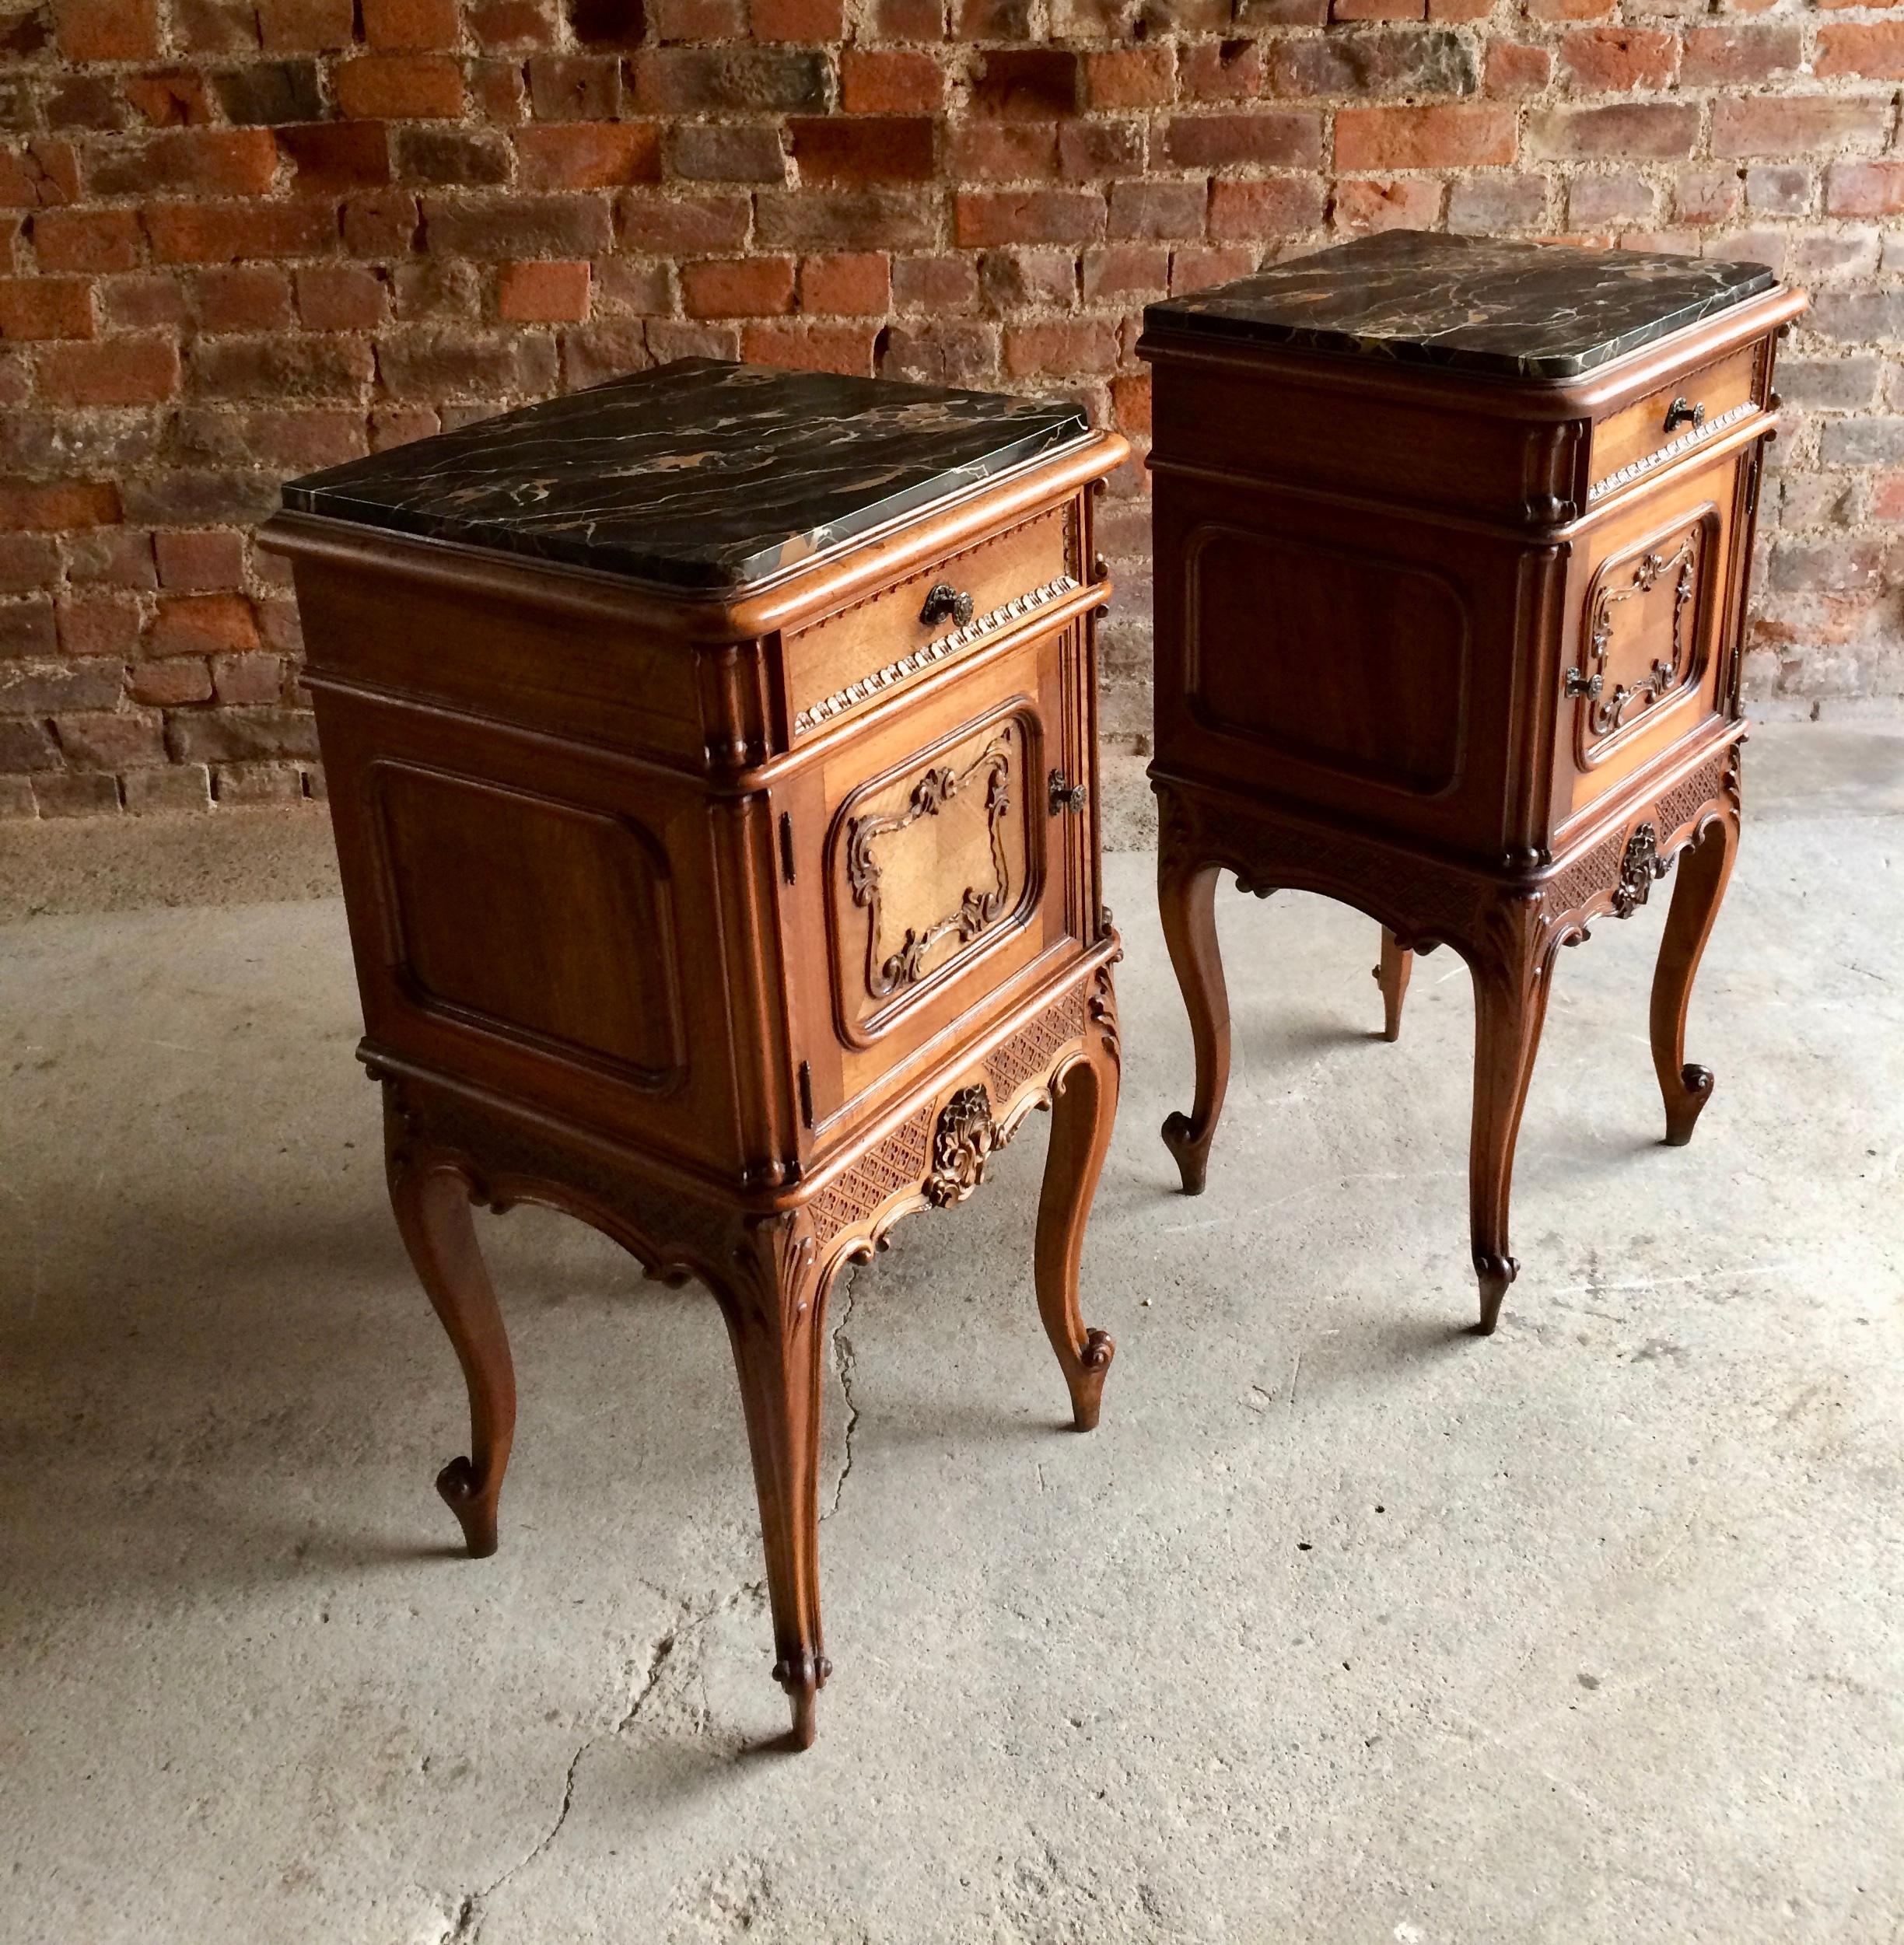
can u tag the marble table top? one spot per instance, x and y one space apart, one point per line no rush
1512 309
699 475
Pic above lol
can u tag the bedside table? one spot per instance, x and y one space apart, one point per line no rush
713 757
1452 549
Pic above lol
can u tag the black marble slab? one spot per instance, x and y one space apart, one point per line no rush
699 475
1511 309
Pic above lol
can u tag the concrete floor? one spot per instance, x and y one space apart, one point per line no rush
1345 1626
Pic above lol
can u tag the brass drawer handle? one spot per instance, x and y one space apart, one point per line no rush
1680 413
946 602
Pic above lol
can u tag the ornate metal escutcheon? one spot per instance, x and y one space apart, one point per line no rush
1640 870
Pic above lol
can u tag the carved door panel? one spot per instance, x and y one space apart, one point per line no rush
933 868
1642 666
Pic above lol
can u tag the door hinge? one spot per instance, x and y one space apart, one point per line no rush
787 847
1066 796
806 1088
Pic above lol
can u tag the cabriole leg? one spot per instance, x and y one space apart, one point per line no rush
1082 1109
1704 868
432 1207
1392 976
1511 978
775 1303
1187 895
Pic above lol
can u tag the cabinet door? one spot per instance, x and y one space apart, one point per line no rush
937 871
1645 659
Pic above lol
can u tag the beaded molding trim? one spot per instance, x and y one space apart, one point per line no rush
1637 469
975 630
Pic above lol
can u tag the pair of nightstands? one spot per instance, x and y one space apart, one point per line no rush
713 762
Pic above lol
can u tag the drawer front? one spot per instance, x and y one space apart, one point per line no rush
1677 418
1643 666
931 870
836 665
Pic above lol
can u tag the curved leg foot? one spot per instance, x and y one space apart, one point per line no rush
1511 979
1704 868
775 1303
1081 1113
432 1207
1187 894
1392 976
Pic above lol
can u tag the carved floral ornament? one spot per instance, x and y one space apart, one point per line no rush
979 906
962 1143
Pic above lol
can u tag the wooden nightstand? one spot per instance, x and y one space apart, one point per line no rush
1452 543
712 756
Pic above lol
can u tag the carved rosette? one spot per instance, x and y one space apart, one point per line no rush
962 1145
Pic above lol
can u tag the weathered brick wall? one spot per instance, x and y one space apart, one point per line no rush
250 237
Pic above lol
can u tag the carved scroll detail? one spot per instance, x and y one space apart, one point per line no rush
962 1146
1641 867
977 908
1606 713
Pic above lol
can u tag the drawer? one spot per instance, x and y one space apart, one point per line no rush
1641 670
838 665
1679 417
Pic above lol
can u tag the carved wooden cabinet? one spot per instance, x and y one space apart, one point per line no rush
712 760
1452 543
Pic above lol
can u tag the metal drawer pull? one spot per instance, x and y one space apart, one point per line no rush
1578 684
1679 413
944 602
1065 795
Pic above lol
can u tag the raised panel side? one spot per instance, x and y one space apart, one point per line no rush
1348 661
546 922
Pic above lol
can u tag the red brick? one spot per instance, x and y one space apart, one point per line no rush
308 25
537 293
38 506
72 793
1628 131
86 239
671 226
1864 189
101 625
212 161
590 155
1280 206
808 21
697 19
27 560
1717 56
26 630
248 678
813 219
280 367
944 286
240 735
1028 216
341 297
496 91
174 786
1169 209
1063 346
123 371
246 298
393 87
225 233
409 26
727 152
891 83
493 228
1407 202
1568 9
909 20
1431 137
1876 51
575 87
1707 195
153 302
110 739
37 174
1001 151
812 348
1614 60
201 624
1220 71
37 307
1132 78
1197 266
1515 69
1272 137
119 557
381 223
517 27
691 80
1125 271
1378 9
1030 84
854 285
108 29
333 155
741 287
1087 150
1795 125
877 149
171 98
214 558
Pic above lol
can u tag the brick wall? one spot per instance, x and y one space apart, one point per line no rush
250 237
